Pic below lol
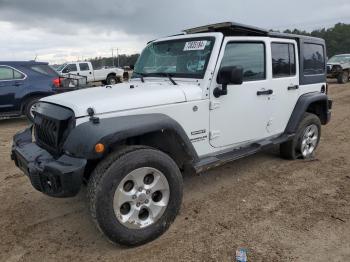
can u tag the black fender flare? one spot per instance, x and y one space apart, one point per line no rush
109 131
302 106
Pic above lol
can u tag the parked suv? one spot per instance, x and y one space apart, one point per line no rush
23 83
197 100
338 67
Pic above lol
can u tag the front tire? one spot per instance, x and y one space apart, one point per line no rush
306 139
135 195
343 78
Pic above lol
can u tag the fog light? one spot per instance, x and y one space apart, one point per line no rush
99 148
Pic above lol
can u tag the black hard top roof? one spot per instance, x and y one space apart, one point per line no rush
237 29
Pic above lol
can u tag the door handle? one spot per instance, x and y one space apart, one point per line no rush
17 84
293 87
264 92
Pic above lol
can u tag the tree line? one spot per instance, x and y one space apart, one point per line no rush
337 38
124 60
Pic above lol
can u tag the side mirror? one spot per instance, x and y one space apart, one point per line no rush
132 67
228 75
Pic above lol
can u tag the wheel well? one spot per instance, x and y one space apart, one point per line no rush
111 74
320 109
166 141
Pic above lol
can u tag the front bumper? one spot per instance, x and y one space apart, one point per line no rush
60 177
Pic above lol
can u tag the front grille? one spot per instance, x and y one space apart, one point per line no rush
52 125
47 132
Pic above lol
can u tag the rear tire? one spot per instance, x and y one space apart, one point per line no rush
29 107
296 147
112 80
118 195
343 78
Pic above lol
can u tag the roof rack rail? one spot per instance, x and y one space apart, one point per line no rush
237 29
229 29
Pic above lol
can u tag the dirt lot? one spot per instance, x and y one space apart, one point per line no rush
277 209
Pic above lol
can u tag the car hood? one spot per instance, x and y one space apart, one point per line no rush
125 96
332 64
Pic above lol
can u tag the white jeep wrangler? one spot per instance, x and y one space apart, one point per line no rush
196 100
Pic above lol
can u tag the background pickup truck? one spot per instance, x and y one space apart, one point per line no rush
109 76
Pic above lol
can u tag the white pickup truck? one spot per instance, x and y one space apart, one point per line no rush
109 76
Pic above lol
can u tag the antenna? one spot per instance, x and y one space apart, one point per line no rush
36 55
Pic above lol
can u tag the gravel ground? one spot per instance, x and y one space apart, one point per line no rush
278 210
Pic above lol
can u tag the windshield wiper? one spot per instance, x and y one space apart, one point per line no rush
142 75
168 76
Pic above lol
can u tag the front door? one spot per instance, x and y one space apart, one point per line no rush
242 116
70 69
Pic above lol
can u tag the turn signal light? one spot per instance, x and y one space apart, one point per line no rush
99 148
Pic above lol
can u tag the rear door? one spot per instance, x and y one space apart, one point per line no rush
85 70
285 83
11 83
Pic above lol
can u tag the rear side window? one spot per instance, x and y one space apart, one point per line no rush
250 56
283 60
8 73
84 67
44 69
314 61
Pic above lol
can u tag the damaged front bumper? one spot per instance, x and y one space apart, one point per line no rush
61 177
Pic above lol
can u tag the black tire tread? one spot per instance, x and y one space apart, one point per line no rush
26 106
287 149
340 77
99 171
97 182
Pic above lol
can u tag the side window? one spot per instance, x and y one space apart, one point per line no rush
84 67
70 68
249 56
314 61
44 69
17 75
283 60
7 73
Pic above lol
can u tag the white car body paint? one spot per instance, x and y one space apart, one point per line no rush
227 122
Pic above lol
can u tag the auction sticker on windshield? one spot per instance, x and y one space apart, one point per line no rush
195 45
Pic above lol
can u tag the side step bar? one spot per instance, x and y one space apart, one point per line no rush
209 162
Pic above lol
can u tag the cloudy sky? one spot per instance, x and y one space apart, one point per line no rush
66 30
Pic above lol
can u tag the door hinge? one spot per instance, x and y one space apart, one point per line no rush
214 134
214 105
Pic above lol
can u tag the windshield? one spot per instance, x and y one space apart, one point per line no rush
339 59
60 68
187 58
